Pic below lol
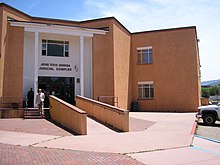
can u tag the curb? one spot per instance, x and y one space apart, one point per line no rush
193 130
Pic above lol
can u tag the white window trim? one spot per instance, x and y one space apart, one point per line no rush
145 82
141 55
147 47
63 44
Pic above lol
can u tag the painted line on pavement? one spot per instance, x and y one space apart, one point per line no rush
204 150
205 138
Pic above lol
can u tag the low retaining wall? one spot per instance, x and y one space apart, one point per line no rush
107 114
68 115
11 113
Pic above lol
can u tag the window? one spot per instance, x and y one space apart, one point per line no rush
55 48
146 90
144 55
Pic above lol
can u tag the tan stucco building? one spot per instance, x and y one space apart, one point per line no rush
160 70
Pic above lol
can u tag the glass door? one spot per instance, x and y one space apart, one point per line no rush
61 87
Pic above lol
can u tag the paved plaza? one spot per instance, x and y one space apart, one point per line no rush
20 155
153 138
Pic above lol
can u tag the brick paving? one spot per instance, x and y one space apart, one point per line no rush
35 126
20 155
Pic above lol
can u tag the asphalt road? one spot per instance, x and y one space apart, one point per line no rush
212 132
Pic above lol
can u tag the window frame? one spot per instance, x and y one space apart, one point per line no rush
142 52
46 42
143 87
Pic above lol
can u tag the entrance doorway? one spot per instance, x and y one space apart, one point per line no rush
61 87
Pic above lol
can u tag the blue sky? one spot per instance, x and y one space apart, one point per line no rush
143 15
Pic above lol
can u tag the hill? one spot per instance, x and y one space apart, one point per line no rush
211 83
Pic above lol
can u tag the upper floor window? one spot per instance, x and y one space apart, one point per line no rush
146 90
55 48
144 55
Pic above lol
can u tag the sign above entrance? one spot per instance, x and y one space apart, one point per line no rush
60 67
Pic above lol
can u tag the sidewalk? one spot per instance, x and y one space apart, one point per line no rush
153 136
169 130
202 152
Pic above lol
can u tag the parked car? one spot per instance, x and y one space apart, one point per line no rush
210 114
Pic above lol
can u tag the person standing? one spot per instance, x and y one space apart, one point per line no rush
30 97
40 101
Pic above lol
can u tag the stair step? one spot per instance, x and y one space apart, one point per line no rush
33 113
33 117
37 112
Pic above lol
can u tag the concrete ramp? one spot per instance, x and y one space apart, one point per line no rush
93 127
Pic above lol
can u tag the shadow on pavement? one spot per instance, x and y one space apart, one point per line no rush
62 127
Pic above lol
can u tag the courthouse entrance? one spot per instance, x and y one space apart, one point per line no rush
61 87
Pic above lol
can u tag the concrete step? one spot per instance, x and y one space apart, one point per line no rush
33 117
33 113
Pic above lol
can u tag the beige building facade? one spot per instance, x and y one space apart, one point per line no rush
158 70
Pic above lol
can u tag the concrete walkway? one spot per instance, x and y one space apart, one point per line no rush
202 152
94 127
170 131
163 137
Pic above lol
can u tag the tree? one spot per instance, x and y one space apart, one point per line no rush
214 90
211 91
205 92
